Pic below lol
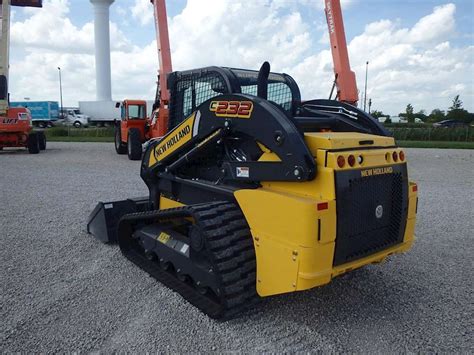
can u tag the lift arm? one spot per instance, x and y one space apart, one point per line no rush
4 57
164 58
345 78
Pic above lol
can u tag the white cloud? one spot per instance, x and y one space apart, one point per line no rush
318 4
48 39
435 26
237 34
142 11
415 64
50 28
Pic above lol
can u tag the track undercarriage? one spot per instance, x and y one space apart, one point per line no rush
204 252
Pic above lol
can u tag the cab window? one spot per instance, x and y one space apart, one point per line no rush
23 116
136 112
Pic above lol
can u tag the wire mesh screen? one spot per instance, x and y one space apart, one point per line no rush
279 93
191 91
278 90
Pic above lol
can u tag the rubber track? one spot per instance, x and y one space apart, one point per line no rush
228 243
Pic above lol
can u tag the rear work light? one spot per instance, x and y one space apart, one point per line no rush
341 161
414 188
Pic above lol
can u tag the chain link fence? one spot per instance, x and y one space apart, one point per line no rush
461 134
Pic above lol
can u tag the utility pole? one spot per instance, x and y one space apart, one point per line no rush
60 93
365 94
370 105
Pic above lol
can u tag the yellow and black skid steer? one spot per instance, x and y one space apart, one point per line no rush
254 193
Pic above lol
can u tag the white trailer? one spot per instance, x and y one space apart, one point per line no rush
105 112
100 112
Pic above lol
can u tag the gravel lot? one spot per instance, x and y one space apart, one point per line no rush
61 290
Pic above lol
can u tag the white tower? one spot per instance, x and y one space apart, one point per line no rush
102 49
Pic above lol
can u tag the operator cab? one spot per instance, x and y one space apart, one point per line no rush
133 110
191 88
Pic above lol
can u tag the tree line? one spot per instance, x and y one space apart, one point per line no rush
454 112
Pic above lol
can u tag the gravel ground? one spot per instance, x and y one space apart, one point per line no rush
61 290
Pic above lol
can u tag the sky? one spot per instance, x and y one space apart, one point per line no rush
419 51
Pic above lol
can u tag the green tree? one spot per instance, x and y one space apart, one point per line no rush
421 115
436 115
409 113
457 104
377 114
457 112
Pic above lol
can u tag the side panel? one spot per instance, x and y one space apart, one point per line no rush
292 239
124 131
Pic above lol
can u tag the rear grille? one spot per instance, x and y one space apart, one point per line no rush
371 212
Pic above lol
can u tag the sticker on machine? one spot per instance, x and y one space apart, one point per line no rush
243 171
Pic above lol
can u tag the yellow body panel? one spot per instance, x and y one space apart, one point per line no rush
344 140
168 203
295 242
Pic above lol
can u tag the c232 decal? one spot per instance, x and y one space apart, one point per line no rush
232 109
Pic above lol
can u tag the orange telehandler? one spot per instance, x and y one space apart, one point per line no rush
135 127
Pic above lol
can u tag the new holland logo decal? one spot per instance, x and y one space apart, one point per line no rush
376 171
177 138
174 139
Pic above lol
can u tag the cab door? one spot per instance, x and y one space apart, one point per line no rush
124 121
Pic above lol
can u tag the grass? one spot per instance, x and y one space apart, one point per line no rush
436 144
80 139
403 144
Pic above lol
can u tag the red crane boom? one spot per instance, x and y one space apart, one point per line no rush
345 78
164 58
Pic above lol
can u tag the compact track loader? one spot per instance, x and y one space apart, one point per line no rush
254 193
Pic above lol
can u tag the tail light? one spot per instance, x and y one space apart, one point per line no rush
341 161
401 155
322 206
395 156
351 160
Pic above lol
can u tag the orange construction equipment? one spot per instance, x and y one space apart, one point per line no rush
132 130
159 120
15 123
16 130
345 80
136 128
